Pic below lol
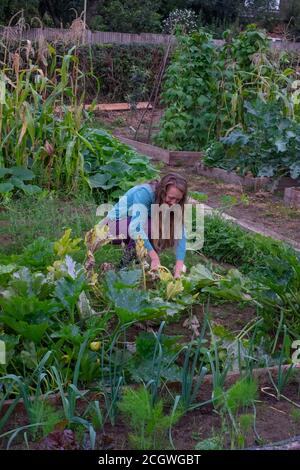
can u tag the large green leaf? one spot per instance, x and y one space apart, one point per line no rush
116 168
98 180
22 173
136 305
201 276
6 188
31 189
130 304
7 269
32 332
146 343
70 333
16 182
146 370
39 254
31 309
280 145
4 172
69 290
295 170
122 279
25 283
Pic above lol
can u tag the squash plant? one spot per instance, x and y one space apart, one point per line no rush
14 178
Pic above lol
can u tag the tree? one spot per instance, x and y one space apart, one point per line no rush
212 10
290 12
185 19
8 8
262 6
263 12
60 11
167 6
125 16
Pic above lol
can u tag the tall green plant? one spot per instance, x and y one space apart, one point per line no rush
206 87
37 128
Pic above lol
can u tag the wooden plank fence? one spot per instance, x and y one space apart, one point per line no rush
103 37
81 36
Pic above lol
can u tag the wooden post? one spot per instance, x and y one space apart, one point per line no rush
84 21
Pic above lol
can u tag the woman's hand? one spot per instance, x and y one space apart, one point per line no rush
179 268
155 262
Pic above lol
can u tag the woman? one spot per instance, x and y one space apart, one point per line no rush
148 211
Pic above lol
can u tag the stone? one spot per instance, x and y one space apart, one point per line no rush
292 197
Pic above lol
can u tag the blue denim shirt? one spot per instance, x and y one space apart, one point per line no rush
142 194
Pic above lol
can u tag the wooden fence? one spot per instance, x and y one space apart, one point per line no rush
88 37
102 37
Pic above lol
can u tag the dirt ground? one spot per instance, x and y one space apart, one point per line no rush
133 125
276 420
262 210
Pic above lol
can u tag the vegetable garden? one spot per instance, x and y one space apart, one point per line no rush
98 357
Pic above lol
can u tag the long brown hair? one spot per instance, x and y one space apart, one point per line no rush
160 192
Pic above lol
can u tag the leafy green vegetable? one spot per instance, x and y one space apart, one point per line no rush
112 167
269 145
13 178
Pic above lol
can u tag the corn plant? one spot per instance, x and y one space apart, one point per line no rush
37 129
206 88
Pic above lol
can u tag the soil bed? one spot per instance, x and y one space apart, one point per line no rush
275 421
263 209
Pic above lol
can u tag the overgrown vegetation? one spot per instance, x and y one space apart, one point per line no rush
132 17
234 99
44 129
56 319
268 145
70 319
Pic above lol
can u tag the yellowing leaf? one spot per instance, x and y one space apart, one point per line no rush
140 248
56 269
66 245
174 288
96 237
164 274
93 280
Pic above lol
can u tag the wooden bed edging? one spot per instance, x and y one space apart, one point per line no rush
169 157
231 177
156 153
194 160
292 197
